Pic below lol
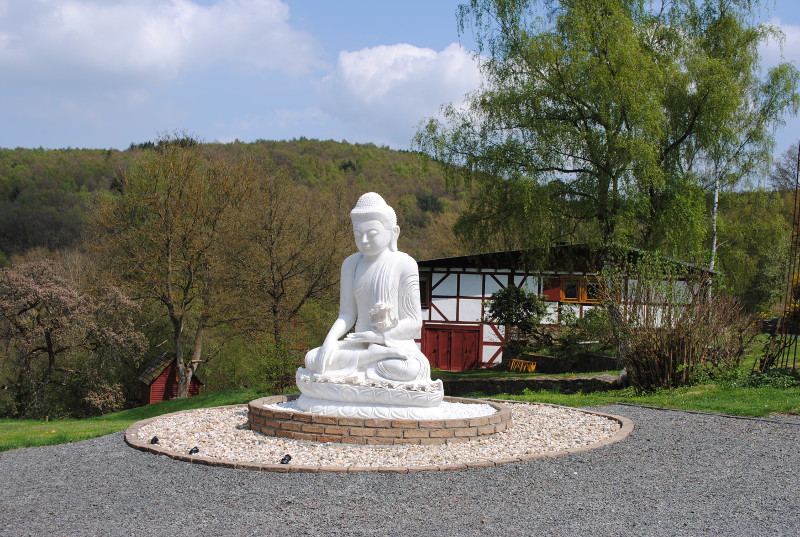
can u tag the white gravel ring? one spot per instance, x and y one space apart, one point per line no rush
223 438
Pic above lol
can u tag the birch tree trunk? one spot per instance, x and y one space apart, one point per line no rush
714 211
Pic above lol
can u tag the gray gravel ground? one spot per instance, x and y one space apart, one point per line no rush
678 473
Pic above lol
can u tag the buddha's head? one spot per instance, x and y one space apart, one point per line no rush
374 225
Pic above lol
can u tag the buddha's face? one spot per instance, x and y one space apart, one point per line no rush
371 237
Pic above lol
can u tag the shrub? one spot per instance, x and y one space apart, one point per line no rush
243 363
519 310
281 366
105 399
670 326
775 378
592 332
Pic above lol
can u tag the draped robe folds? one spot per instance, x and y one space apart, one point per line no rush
385 299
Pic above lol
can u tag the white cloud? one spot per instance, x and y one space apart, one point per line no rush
788 49
772 53
387 90
125 40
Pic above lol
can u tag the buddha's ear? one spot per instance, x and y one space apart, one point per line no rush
395 235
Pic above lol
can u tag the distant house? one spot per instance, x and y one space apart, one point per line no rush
160 380
454 290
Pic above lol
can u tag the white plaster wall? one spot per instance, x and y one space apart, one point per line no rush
551 317
574 308
656 314
492 286
471 285
488 351
489 334
632 285
682 292
470 310
448 308
531 283
448 287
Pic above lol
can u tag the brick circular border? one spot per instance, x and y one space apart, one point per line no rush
132 439
299 425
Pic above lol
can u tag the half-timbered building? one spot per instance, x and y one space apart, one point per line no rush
455 291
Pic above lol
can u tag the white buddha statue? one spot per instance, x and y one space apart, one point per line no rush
377 370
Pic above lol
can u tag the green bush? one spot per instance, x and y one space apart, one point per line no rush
8 406
242 364
520 311
776 378
590 333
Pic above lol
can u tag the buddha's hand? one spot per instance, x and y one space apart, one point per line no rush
325 355
368 336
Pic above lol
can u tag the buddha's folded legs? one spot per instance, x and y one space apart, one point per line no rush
377 361
397 369
344 360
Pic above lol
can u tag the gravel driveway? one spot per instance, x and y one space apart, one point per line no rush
678 473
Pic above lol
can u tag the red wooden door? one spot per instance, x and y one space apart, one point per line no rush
452 348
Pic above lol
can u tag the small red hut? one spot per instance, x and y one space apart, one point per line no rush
160 380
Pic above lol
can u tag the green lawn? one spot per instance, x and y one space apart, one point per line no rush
27 433
761 401
722 398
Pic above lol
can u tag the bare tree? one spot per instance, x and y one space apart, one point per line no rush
782 178
290 244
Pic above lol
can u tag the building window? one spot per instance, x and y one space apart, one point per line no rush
579 289
570 290
424 290
592 290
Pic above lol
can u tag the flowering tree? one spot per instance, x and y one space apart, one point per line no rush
61 349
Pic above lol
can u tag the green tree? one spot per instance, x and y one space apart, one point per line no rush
519 311
45 196
163 236
733 142
592 118
753 258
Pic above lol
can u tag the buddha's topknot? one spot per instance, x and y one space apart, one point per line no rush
372 204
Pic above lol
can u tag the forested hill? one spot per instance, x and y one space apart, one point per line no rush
46 196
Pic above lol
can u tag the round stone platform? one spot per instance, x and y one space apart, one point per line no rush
221 436
298 425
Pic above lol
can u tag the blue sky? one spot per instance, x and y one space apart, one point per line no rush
105 73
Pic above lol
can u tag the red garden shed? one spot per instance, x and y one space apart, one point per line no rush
160 380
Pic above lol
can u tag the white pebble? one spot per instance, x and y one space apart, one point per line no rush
223 433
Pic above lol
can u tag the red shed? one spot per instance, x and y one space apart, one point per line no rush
160 380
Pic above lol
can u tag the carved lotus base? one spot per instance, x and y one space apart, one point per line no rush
359 398
362 410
